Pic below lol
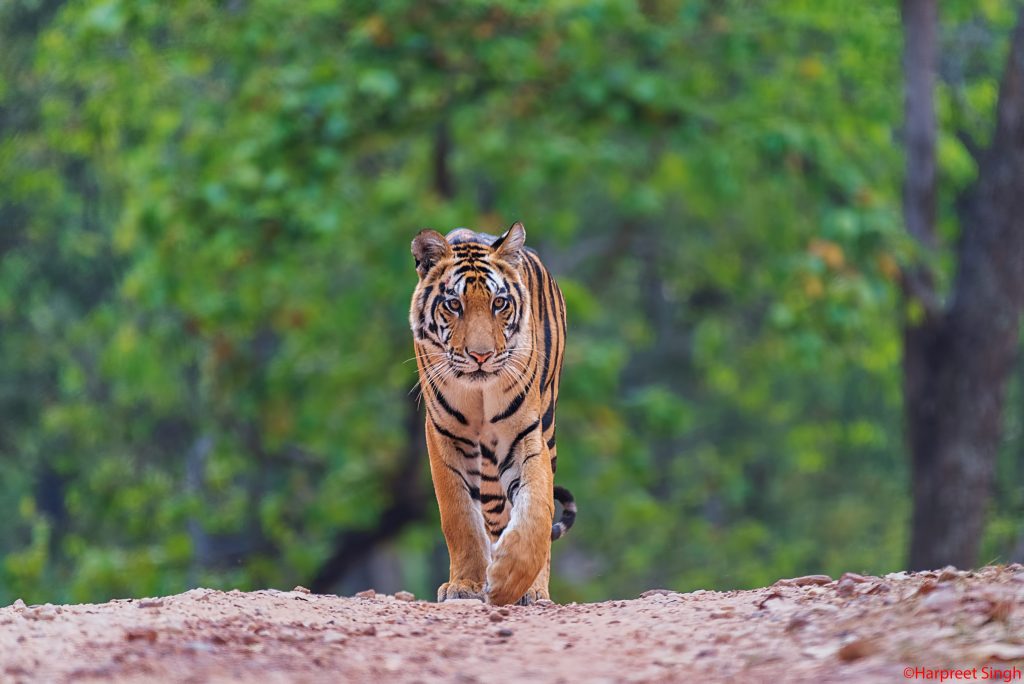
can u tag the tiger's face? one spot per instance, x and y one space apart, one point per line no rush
470 312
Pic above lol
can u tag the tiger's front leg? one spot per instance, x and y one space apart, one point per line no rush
522 552
461 520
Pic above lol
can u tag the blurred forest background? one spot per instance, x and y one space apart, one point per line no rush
205 216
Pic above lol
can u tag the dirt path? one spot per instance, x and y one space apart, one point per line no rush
811 629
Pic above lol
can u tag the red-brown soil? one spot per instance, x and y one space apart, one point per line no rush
862 629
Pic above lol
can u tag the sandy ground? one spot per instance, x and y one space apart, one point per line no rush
863 629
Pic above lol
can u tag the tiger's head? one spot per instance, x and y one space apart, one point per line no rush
470 309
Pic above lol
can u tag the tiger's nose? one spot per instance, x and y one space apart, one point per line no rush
480 356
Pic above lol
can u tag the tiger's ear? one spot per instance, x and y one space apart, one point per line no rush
509 247
429 247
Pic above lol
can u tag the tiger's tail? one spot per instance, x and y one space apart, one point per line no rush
564 497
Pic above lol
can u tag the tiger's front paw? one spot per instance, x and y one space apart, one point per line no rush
531 596
515 565
461 589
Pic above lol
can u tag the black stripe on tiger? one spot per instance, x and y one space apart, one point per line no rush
516 402
451 435
549 415
507 462
513 489
546 356
448 408
474 492
555 313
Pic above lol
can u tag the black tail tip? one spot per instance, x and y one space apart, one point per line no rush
564 497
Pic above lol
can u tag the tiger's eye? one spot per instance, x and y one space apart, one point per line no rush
500 303
453 305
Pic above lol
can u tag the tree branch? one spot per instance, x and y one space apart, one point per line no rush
992 251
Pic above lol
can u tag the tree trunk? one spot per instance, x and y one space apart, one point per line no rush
958 359
408 505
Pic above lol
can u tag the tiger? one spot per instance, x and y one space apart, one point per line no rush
489 328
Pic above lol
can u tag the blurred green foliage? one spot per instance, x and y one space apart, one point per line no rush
205 216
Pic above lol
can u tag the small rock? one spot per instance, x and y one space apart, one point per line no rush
368 630
768 597
505 632
369 593
461 602
999 609
505 611
821 652
846 587
404 596
998 651
805 581
150 603
45 612
301 589
656 592
853 577
544 603
855 650
798 621
948 573
940 600
335 637
495 617
927 587
18 604
141 634
901 575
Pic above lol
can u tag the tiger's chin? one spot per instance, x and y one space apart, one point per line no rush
478 375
